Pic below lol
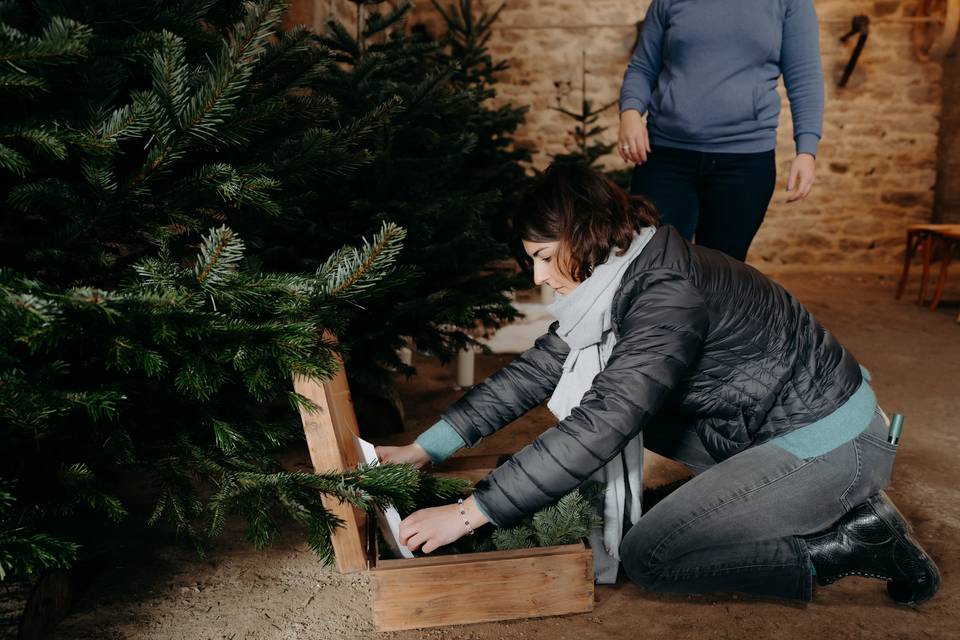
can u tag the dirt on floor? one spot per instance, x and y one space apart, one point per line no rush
157 590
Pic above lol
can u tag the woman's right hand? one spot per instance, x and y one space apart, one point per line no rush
411 454
633 143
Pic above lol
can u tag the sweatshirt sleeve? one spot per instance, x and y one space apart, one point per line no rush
640 78
803 73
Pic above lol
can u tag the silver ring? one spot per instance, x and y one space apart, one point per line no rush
626 146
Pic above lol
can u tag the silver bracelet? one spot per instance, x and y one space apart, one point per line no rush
463 514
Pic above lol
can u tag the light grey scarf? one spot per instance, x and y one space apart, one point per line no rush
585 325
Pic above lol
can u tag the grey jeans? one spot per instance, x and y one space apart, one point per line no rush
734 525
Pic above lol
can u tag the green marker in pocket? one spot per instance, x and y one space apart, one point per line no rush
896 427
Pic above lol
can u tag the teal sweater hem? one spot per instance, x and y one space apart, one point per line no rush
843 425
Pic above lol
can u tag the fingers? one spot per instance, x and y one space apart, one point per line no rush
632 148
800 184
640 144
414 542
633 143
625 148
792 181
622 142
409 527
806 185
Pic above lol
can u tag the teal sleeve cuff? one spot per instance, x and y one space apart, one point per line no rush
807 143
440 441
484 511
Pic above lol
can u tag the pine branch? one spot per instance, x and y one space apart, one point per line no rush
378 23
23 84
171 75
13 161
50 142
350 272
569 520
208 108
63 40
220 252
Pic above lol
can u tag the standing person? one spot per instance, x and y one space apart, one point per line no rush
705 73
716 366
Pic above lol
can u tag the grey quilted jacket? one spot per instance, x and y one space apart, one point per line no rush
701 338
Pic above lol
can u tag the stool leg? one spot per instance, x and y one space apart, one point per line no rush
941 281
927 256
912 241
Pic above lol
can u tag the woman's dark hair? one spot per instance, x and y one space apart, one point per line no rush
586 211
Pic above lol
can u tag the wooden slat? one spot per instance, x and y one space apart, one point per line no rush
480 556
331 437
527 584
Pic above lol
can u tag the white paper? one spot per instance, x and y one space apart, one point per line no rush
389 518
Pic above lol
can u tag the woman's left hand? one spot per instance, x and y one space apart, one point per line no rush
434 527
802 175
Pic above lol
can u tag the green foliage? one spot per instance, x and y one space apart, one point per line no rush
173 376
22 552
445 168
146 354
191 196
569 520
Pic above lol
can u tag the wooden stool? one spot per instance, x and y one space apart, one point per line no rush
947 240
925 236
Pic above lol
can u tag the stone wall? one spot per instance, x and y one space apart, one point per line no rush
877 161
315 13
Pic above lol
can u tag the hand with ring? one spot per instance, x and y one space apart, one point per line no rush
633 143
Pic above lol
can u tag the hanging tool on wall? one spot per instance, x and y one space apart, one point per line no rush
861 27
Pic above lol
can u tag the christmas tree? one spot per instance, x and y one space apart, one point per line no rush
498 160
149 154
436 169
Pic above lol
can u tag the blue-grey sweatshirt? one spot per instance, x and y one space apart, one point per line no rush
706 72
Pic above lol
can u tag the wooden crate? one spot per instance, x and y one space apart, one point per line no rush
447 589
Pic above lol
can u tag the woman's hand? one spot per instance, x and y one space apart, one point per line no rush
802 174
411 454
437 526
633 143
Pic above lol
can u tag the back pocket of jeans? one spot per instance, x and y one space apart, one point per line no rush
876 466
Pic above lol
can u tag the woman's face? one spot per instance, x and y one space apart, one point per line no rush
546 268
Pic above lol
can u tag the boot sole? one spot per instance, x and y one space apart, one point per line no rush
891 516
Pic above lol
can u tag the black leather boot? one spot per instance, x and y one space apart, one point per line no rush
874 540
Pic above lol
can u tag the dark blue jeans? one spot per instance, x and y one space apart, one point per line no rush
718 198
734 525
